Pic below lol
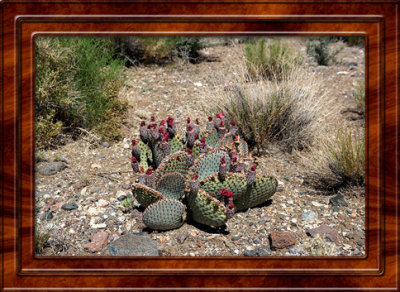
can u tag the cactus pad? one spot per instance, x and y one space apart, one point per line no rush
145 195
206 209
165 214
234 182
173 163
208 164
212 137
176 142
260 191
171 185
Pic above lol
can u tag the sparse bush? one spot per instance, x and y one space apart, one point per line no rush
285 113
159 50
318 48
337 162
318 246
275 63
77 82
347 157
359 95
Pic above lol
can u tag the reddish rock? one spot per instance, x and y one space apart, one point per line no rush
98 242
282 239
329 232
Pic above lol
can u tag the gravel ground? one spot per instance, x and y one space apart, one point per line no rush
80 186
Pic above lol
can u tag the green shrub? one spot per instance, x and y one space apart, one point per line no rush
77 83
318 48
275 63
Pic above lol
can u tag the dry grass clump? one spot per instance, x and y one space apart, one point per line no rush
42 235
275 62
337 161
285 113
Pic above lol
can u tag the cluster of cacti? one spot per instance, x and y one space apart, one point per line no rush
206 175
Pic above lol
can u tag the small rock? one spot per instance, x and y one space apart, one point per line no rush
290 202
92 211
69 206
338 201
83 191
356 252
94 165
342 73
139 244
102 203
106 144
126 186
181 238
309 216
303 193
282 239
97 242
352 64
199 84
326 230
316 204
235 238
346 246
282 217
263 251
360 243
47 216
99 226
264 220
50 168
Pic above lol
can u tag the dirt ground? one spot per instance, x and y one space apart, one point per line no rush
95 177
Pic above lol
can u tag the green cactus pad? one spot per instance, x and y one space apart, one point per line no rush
206 209
165 214
234 182
171 185
158 154
172 163
195 149
212 138
145 155
176 143
145 195
263 188
208 164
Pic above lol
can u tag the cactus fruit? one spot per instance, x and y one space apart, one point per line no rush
209 172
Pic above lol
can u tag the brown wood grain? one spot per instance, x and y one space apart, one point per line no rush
23 20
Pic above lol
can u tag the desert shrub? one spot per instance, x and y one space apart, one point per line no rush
284 113
159 50
77 82
337 162
359 94
319 50
347 157
275 63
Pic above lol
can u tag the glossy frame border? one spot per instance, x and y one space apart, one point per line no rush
23 21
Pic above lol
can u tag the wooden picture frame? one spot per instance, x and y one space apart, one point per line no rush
23 20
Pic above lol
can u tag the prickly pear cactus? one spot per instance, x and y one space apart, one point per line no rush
198 174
